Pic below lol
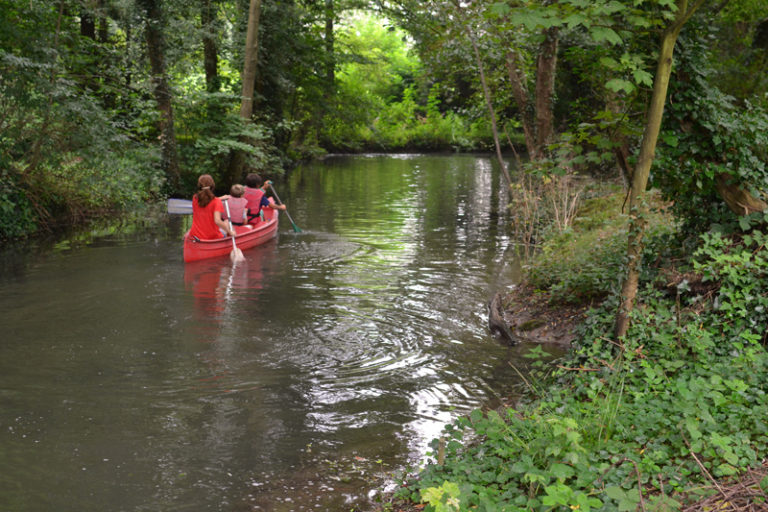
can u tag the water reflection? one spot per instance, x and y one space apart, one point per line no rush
296 380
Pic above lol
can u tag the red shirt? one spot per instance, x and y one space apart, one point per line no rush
203 225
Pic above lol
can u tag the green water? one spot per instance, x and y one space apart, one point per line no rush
300 380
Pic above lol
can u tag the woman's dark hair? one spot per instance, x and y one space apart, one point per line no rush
204 193
253 180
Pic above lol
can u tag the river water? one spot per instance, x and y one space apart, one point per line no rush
302 379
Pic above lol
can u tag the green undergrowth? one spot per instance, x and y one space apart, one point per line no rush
584 262
647 422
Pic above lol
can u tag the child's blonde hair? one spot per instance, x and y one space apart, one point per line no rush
236 191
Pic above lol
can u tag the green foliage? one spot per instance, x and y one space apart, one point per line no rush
740 269
444 498
585 262
209 130
65 152
648 417
720 139
740 50
383 101
17 216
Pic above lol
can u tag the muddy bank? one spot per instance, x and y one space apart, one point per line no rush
523 315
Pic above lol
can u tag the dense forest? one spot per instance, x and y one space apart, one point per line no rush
108 103
105 104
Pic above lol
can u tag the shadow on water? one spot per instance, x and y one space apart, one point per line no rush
300 379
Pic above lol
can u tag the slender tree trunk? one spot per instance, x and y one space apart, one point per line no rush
330 70
638 207
487 93
251 59
237 158
320 111
156 52
491 111
128 40
210 51
520 91
545 88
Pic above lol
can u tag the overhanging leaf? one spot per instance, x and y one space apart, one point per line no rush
618 85
600 34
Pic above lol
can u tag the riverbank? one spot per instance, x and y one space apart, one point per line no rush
667 418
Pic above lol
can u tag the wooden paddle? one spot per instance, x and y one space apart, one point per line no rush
295 227
236 254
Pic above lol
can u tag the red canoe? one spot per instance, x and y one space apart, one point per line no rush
195 249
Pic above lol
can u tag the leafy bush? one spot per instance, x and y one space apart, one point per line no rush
62 156
17 216
585 262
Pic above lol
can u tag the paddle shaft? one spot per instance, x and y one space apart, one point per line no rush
295 227
235 254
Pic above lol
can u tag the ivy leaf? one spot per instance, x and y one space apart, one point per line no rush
744 223
693 428
725 470
670 139
615 493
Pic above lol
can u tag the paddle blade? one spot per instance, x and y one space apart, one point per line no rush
236 255
180 206
296 228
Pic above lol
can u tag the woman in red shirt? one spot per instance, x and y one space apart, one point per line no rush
207 210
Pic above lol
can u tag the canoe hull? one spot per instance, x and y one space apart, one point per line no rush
195 250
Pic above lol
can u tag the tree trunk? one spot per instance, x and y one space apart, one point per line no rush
237 158
330 70
539 127
545 88
491 111
251 60
520 91
638 207
162 92
210 51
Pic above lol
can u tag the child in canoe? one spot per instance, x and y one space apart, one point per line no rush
256 196
238 206
207 212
